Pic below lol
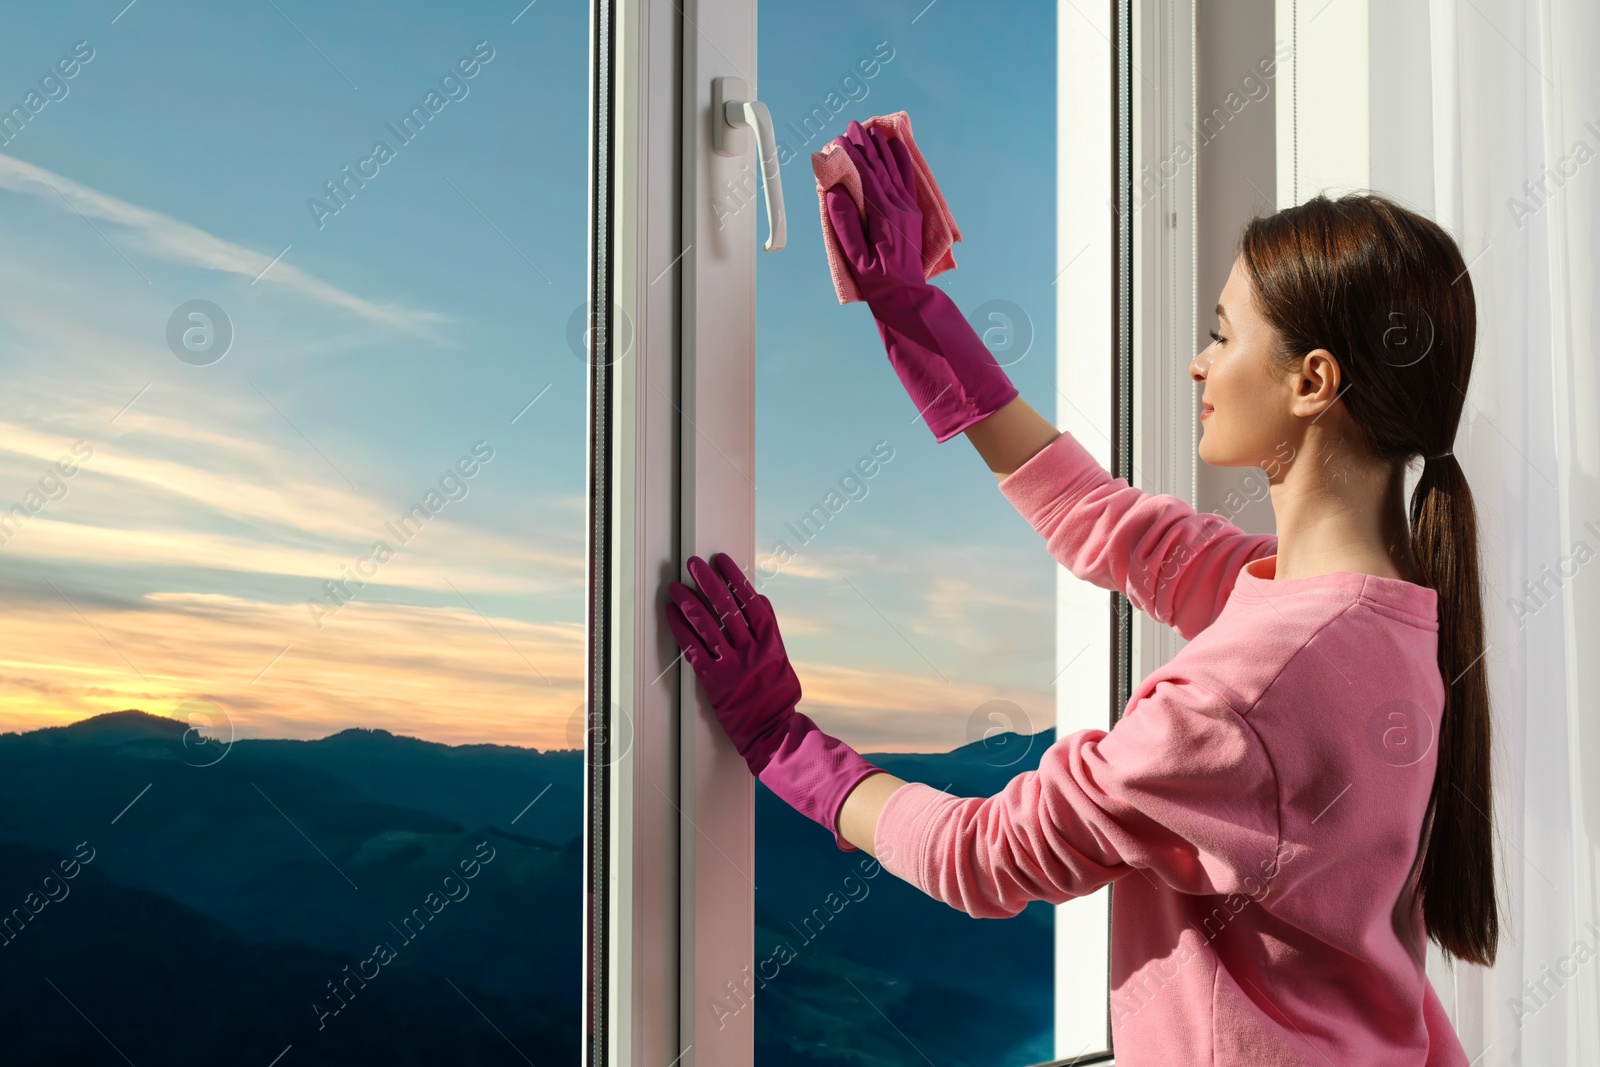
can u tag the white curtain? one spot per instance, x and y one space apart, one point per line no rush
1515 119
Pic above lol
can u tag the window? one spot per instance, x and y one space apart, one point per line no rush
294 533
783 420
920 612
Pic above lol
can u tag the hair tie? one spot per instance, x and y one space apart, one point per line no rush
1441 455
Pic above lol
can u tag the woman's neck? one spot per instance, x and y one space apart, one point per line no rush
1338 513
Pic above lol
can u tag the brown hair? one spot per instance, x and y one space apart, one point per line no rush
1386 291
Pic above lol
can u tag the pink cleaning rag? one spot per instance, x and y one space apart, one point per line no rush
833 166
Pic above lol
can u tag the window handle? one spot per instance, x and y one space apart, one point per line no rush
732 114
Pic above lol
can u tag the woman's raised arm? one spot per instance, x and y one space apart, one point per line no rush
1011 436
1172 563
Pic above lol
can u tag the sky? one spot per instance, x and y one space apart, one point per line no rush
928 598
383 344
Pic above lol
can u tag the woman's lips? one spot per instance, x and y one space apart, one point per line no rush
1206 410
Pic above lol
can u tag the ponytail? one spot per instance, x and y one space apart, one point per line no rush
1457 883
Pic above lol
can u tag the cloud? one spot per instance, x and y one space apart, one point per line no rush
440 673
131 508
240 488
498 565
889 710
179 242
772 568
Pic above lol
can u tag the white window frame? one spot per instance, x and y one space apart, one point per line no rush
717 497
1165 227
673 856
632 787
1086 340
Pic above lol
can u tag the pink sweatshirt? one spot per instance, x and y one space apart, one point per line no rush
1259 804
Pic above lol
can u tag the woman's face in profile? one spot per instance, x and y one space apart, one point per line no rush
1245 393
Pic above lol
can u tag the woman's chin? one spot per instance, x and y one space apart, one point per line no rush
1213 456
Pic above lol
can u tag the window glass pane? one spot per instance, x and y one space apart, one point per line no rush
291 532
919 608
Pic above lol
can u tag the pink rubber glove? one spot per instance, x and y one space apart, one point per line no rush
950 375
730 637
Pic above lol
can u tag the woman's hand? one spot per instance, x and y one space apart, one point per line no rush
951 378
884 251
729 635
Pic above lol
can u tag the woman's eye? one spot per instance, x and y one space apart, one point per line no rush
1217 337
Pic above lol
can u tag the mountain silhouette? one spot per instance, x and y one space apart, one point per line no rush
232 879
111 728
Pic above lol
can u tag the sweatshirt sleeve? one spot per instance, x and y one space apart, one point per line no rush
1176 566
1180 789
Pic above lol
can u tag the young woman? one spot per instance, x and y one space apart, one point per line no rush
1299 800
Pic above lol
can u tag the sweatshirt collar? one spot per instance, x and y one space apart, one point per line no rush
1257 581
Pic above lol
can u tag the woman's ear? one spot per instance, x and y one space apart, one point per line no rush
1317 384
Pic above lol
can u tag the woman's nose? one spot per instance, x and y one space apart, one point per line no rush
1200 364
